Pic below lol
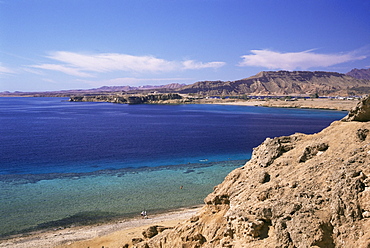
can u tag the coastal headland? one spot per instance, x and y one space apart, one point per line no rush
342 104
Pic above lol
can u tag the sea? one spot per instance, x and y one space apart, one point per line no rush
74 163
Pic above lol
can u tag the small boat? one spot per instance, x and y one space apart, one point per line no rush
203 160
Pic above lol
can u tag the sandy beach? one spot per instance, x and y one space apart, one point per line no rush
112 235
316 103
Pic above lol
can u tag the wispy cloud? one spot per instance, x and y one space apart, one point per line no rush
6 70
49 80
65 69
298 60
191 64
87 65
112 62
37 72
134 81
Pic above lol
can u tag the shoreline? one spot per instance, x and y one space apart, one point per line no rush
303 103
111 234
320 103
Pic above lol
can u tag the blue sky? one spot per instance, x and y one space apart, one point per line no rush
79 44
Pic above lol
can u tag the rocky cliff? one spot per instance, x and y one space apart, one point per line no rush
296 191
284 83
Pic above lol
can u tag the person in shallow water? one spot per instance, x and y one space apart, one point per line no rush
144 214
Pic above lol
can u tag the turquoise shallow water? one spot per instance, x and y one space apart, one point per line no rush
43 201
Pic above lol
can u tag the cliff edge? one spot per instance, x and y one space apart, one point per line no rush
296 191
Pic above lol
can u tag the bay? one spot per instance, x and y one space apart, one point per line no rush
63 162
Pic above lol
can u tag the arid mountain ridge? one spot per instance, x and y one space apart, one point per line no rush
285 83
359 73
266 83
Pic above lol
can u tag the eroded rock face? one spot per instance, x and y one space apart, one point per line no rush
361 112
296 191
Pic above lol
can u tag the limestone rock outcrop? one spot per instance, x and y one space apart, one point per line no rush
361 112
296 191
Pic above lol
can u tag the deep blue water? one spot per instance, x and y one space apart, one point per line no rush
62 162
46 135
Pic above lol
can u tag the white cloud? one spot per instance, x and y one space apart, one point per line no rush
5 70
84 65
112 62
65 69
191 64
290 61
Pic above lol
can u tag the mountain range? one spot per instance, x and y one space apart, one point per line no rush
265 83
284 83
359 73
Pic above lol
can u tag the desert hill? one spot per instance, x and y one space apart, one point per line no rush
359 73
265 83
296 191
284 83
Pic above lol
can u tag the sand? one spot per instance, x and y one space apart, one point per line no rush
108 235
316 103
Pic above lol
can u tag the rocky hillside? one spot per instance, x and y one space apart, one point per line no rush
359 73
296 191
128 99
284 83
